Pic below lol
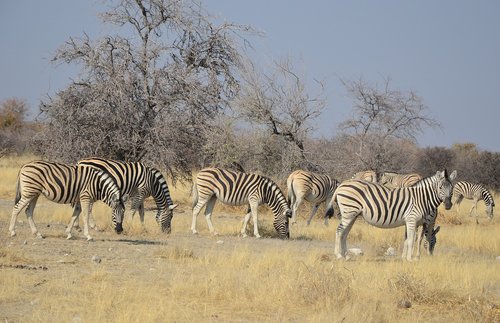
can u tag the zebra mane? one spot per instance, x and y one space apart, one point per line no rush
428 179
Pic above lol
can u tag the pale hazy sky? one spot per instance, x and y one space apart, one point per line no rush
446 51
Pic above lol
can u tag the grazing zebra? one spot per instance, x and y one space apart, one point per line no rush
386 208
428 234
394 180
139 182
79 186
473 192
367 175
235 188
429 241
314 188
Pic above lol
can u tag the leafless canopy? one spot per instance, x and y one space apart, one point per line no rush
146 93
381 118
279 102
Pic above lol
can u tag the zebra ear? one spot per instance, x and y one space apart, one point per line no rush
173 206
453 175
440 173
436 230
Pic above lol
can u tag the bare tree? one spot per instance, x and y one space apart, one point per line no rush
381 115
279 102
149 95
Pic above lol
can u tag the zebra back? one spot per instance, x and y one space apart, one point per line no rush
237 188
367 175
394 180
62 183
320 187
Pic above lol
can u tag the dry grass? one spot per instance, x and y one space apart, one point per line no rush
145 276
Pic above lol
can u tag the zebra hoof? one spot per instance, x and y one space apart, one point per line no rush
69 236
244 235
257 236
39 235
89 238
12 233
195 232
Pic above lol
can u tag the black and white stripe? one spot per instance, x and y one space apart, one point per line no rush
138 182
386 208
235 188
79 186
312 187
474 192
394 180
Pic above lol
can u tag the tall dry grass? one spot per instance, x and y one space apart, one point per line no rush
145 276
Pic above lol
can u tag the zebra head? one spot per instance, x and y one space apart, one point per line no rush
118 207
445 187
489 210
112 196
164 218
281 223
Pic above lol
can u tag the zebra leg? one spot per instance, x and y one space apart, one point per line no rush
141 212
196 210
15 211
457 203
410 239
208 214
76 212
253 210
295 207
474 207
141 215
29 215
313 212
419 239
343 229
245 224
91 219
86 207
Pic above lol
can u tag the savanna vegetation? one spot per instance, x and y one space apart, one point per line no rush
181 94
149 276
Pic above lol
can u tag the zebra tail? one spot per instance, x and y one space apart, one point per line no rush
291 193
329 208
18 189
194 192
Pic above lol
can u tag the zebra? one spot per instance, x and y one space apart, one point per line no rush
79 186
428 234
386 208
394 180
139 182
236 188
430 240
474 192
367 175
314 188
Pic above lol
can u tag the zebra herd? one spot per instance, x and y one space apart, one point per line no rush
384 200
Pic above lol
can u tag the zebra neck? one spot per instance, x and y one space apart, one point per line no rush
487 198
430 195
273 197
